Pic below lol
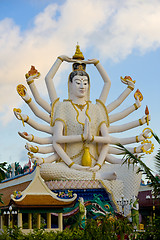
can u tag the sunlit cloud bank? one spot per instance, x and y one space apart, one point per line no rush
111 29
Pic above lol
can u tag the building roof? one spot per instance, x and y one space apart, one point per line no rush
32 192
146 199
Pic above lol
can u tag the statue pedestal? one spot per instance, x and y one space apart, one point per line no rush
110 190
127 183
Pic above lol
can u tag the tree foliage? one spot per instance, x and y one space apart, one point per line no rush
129 158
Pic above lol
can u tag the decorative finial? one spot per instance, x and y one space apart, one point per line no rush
78 54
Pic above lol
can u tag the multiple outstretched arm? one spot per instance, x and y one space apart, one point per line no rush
106 139
122 97
40 114
33 124
36 149
130 125
49 79
39 160
35 139
35 93
118 116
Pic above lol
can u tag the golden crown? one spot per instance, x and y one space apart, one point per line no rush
79 66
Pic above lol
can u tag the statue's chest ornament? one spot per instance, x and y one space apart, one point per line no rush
81 115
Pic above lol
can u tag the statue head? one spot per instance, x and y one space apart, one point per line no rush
134 198
81 199
79 76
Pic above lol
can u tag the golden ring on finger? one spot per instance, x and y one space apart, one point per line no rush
150 130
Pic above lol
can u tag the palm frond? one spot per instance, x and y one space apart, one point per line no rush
2 170
157 161
156 137
130 158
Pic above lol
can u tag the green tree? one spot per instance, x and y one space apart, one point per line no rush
2 170
2 175
131 158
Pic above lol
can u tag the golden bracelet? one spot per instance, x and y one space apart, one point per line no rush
96 63
135 106
27 119
135 150
70 165
28 101
99 165
137 139
140 122
34 149
43 160
32 138
29 82
132 88
60 59
92 139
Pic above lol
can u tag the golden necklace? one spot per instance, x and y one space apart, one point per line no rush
80 106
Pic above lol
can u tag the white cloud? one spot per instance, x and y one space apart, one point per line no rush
112 29
133 25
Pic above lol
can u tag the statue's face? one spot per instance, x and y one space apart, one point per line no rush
80 86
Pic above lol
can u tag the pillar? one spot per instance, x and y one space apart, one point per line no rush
38 220
1 222
30 220
48 220
20 223
11 220
60 221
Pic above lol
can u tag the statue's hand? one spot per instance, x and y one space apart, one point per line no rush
31 148
38 160
67 59
20 116
94 169
26 136
86 127
145 146
87 133
79 167
144 135
138 103
144 118
32 77
128 81
91 61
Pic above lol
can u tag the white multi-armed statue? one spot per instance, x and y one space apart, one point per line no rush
80 140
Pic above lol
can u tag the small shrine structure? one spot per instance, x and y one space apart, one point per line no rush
29 194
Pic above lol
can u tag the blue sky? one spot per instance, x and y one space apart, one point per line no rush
124 35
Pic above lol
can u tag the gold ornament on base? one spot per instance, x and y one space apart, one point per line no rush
86 158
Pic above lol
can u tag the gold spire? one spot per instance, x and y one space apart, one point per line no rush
78 54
